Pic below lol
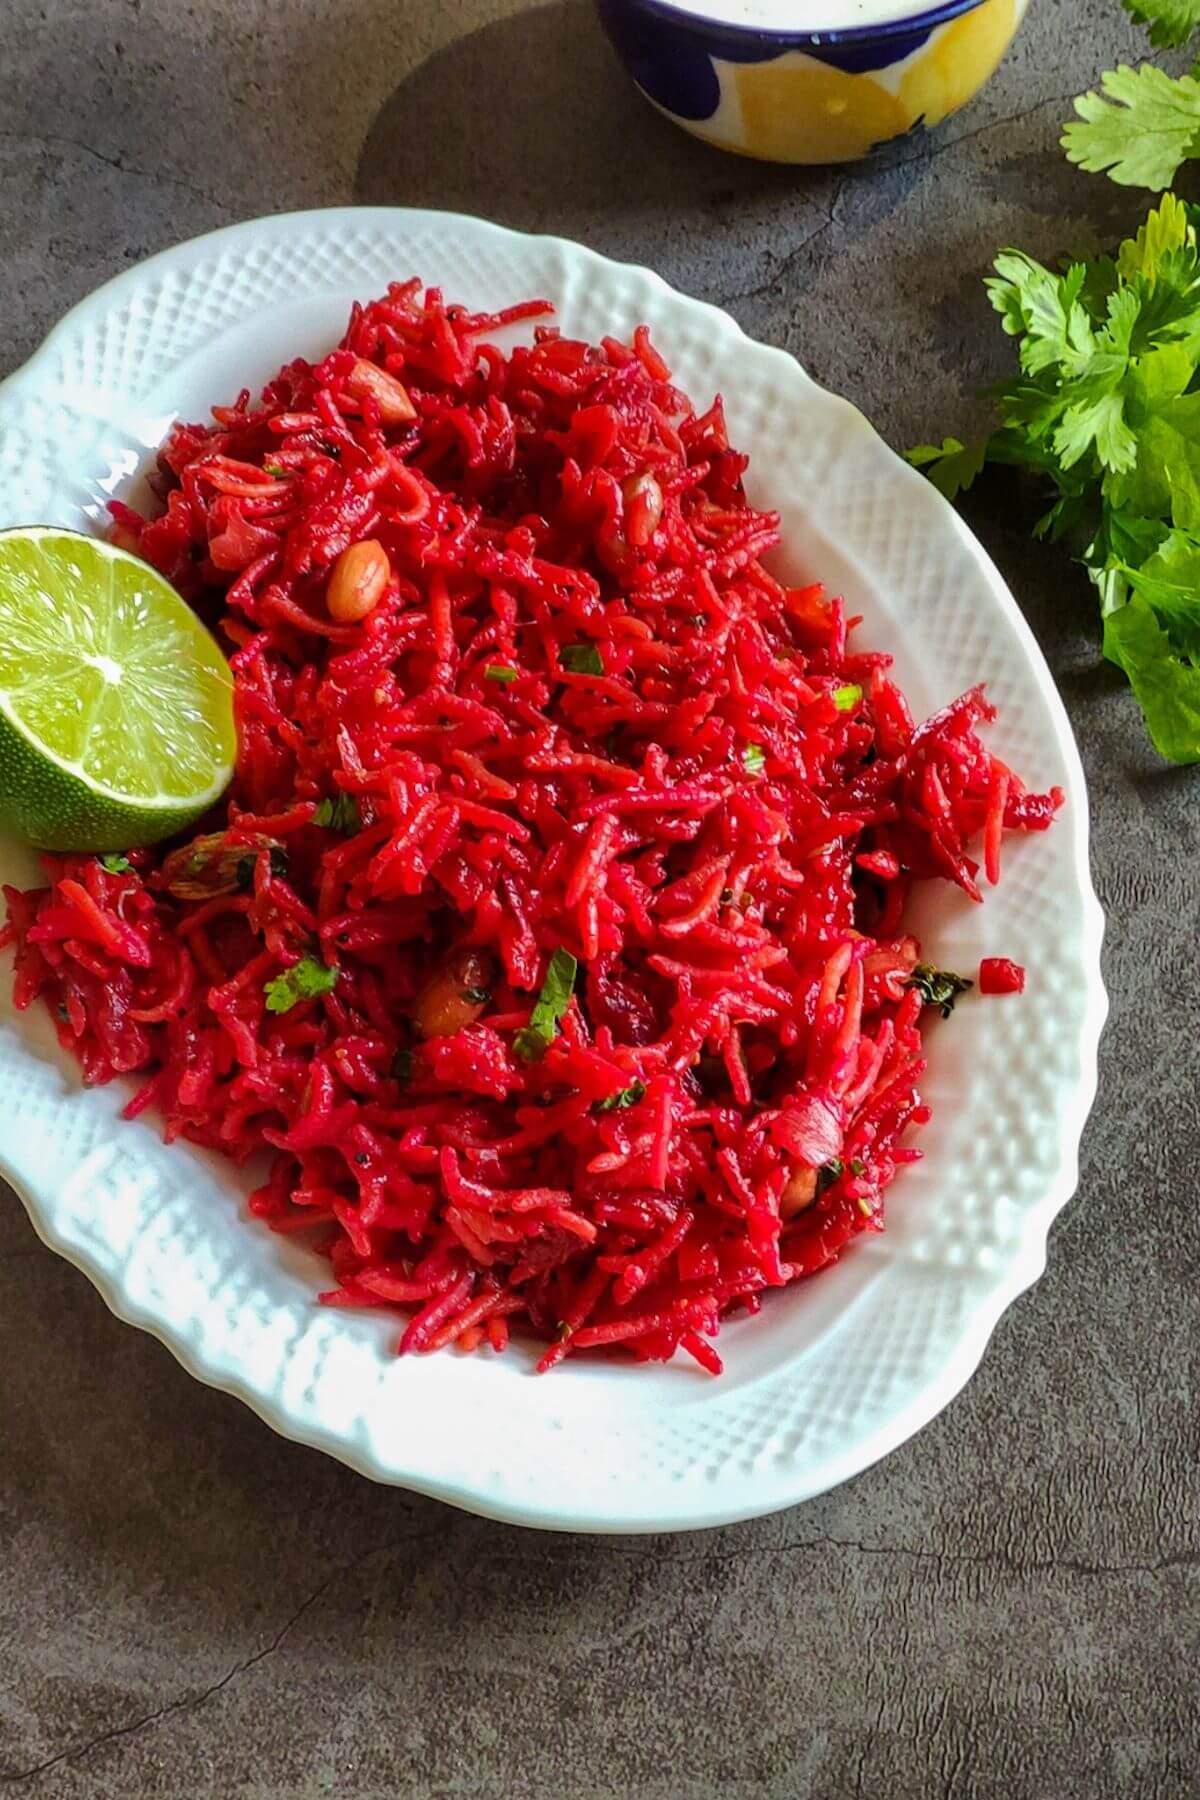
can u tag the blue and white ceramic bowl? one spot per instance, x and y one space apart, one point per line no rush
803 93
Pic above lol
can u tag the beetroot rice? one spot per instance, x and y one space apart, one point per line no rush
582 718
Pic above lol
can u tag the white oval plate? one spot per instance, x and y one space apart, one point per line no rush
831 1375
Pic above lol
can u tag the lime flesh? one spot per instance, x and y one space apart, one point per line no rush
116 705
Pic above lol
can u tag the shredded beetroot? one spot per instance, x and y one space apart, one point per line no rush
580 717
997 975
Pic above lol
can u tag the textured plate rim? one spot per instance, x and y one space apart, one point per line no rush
1025 1264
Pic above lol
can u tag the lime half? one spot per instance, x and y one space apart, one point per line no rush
116 706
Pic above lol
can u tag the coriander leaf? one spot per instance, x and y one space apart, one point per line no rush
532 1040
303 981
951 466
753 758
1170 580
1160 375
339 814
402 1066
1166 229
1122 539
1167 686
502 672
1143 125
1030 414
1098 425
1069 512
1042 309
1169 22
1073 402
581 659
847 697
1164 480
938 987
116 865
276 469
246 864
1099 281
624 1097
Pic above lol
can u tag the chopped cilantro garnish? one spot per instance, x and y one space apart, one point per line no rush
753 759
274 468
116 865
532 1040
502 672
402 1066
303 981
830 1172
581 659
340 814
624 1097
245 865
938 987
834 1169
847 697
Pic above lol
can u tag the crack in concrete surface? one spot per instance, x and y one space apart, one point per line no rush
967 137
161 177
183 1703
942 1558
832 217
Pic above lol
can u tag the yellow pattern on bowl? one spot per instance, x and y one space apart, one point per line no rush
800 111
957 61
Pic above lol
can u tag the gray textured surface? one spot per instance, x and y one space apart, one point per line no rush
1010 1605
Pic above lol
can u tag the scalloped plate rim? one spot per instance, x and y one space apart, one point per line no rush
1025 1265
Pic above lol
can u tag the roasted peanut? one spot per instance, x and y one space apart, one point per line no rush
391 396
455 996
358 582
643 499
800 1191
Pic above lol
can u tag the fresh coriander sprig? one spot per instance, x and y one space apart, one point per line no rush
1169 22
1106 411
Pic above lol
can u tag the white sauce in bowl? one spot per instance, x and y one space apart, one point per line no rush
804 15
